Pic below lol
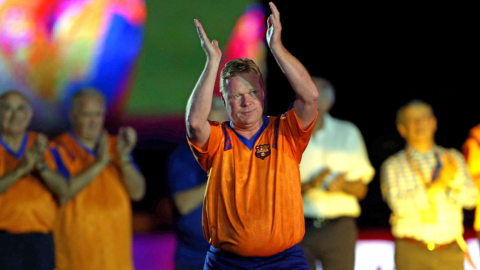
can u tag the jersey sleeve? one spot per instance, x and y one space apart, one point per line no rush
205 156
299 136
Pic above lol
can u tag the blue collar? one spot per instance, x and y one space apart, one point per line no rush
21 150
250 143
92 152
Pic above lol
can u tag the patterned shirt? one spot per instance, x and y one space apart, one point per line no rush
406 193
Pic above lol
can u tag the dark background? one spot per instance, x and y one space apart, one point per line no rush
378 57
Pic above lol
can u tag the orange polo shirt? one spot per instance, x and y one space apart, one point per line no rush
28 205
94 229
253 203
471 150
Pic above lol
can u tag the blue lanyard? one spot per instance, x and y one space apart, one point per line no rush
436 170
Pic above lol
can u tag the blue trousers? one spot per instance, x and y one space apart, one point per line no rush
26 251
291 259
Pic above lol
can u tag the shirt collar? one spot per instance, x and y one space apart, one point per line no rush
92 152
416 154
250 143
21 150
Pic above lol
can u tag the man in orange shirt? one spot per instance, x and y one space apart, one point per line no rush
252 211
27 206
471 151
94 230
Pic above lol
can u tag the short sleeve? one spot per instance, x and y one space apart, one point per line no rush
181 179
205 156
300 137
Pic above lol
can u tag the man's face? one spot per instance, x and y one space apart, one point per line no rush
419 124
244 99
15 114
88 117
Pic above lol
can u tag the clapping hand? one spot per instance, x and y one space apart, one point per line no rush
446 176
211 48
337 184
274 29
30 158
448 170
318 180
41 143
126 141
103 151
39 147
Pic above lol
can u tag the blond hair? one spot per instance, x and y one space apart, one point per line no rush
238 66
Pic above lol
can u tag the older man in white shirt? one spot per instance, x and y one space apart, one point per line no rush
335 172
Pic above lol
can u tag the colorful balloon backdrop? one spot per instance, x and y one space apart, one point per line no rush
51 48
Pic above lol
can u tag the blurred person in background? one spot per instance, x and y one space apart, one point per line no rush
252 214
94 227
335 172
27 206
187 182
471 151
426 186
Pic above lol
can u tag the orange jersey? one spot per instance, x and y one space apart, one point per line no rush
471 150
27 205
253 203
94 229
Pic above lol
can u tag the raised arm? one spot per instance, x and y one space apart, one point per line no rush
305 104
200 102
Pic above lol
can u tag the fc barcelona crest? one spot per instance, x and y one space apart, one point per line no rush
262 151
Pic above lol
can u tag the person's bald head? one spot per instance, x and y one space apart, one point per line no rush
89 93
87 113
326 94
19 94
15 112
